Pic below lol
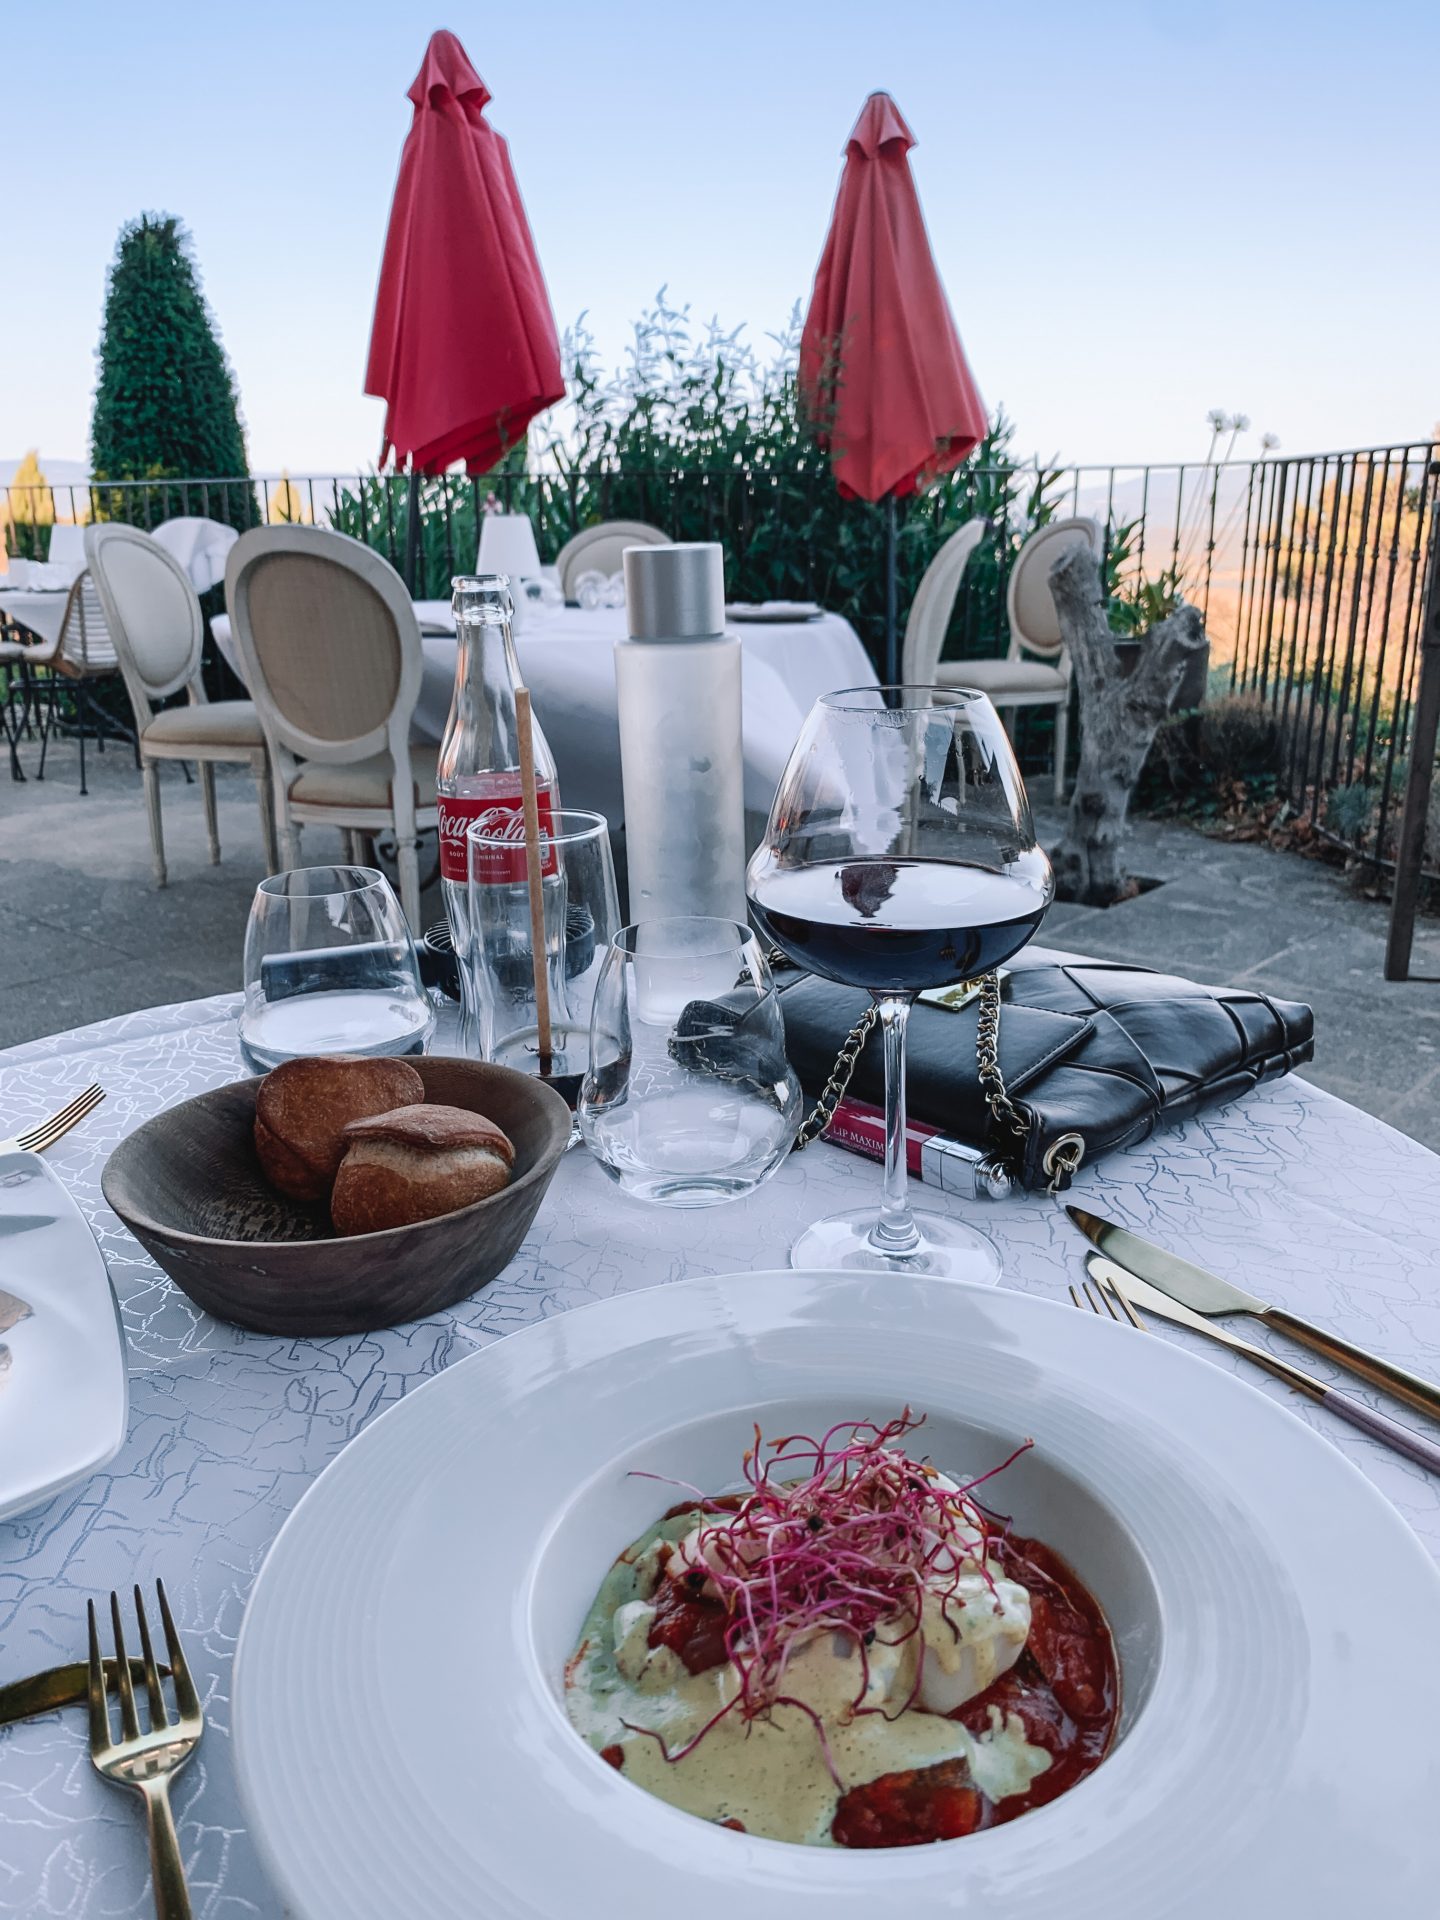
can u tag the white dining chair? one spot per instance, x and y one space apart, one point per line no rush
158 632
600 549
81 653
330 649
1036 672
934 602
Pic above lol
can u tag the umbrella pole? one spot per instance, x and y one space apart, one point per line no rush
892 596
412 535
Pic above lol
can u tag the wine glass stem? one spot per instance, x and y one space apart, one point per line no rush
895 1230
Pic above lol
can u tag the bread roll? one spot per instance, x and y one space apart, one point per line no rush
303 1108
415 1164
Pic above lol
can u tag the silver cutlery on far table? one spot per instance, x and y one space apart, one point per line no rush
1206 1293
1132 1292
46 1132
147 1761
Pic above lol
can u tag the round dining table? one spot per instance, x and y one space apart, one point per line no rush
566 657
1289 1191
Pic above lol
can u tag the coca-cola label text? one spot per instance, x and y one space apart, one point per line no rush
498 803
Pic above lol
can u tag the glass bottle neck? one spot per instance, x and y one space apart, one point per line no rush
483 729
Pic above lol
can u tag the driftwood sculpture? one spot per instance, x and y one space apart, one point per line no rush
1119 715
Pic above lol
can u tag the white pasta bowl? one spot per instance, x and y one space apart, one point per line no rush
401 1736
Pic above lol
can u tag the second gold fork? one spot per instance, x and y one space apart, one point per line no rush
46 1132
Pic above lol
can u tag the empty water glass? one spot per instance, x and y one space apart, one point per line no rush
330 967
689 1099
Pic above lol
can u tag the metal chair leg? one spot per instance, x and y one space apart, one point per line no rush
17 772
47 723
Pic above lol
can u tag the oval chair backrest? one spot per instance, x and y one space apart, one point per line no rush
1029 602
85 641
601 549
328 637
150 608
934 603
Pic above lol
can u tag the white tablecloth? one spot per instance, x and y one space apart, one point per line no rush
566 658
1329 1211
42 613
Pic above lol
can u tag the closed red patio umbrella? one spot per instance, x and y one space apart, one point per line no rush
463 348
881 365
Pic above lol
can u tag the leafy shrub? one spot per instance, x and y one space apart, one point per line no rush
1348 811
1198 756
1134 605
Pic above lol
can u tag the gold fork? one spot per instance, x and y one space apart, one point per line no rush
46 1132
147 1761
1097 1295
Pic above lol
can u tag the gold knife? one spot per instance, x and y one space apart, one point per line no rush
1206 1293
1378 1426
58 1687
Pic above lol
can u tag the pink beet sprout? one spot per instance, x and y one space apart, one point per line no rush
851 1547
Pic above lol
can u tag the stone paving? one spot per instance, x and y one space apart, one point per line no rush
84 935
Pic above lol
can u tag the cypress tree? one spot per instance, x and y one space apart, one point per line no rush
165 403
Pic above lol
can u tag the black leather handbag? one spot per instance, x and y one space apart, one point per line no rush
1061 1061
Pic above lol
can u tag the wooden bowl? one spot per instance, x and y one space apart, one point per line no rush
189 1187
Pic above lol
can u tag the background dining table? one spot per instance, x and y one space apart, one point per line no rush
1289 1191
40 610
567 661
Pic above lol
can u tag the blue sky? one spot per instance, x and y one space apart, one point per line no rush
1141 209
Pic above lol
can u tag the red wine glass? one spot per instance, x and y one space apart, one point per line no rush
900 854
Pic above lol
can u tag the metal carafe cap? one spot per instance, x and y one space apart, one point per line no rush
676 593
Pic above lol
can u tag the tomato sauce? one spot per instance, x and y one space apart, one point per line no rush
1065 1687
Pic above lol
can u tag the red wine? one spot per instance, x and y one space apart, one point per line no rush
901 925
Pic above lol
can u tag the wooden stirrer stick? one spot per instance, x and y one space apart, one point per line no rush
530 804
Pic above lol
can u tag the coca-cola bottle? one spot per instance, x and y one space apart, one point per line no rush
478 776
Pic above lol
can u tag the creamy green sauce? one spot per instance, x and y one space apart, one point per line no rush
770 1773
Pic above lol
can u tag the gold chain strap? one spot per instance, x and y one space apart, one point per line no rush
987 1054
833 1092
1061 1158
987 1041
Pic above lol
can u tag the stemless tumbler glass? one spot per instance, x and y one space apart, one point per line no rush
689 1099
581 913
330 967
